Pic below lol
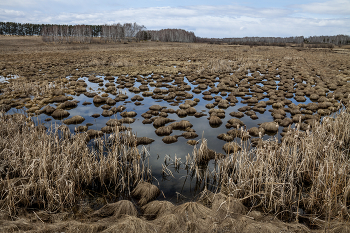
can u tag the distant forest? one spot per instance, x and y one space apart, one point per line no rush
133 31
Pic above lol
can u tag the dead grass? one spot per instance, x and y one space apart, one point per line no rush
304 177
46 171
145 192
132 224
170 223
118 209
191 211
156 209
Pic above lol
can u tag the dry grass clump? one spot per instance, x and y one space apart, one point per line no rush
192 211
131 224
74 226
235 123
161 121
144 140
60 114
155 209
244 224
199 225
182 125
18 225
170 139
304 177
19 86
145 192
224 206
118 209
206 198
170 223
74 120
231 147
218 66
342 227
164 131
192 142
269 126
52 172
215 121
203 154
67 104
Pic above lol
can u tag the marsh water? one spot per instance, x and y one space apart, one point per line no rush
181 185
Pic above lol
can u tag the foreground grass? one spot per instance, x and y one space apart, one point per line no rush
303 178
56 170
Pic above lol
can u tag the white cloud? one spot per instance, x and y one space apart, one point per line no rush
22 3
10 13
334 7
5 15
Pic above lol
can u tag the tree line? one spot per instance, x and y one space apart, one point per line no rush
65 33
73 33
114 33
120 32
85 33
172 35
25 29
335 40
29 29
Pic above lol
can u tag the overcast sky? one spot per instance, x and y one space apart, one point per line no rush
221 18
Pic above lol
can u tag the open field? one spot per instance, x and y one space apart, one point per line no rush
84 125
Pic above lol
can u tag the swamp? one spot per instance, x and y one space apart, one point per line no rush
173 137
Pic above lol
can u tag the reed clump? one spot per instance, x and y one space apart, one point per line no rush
52 171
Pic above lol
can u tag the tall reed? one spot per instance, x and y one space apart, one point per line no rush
306 175
43 169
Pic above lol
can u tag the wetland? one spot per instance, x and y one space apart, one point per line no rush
107 135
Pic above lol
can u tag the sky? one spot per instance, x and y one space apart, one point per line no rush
211 19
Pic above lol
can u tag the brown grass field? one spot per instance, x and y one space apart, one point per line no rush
298 184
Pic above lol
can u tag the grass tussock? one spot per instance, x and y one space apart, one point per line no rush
117 209
170 223
145 192
192 211
156 209
132 224
47 170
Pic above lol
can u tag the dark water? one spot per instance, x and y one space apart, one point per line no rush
181 183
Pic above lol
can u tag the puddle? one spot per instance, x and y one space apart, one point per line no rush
5 79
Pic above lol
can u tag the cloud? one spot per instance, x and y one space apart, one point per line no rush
237 10
335 7
10 13
22 3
